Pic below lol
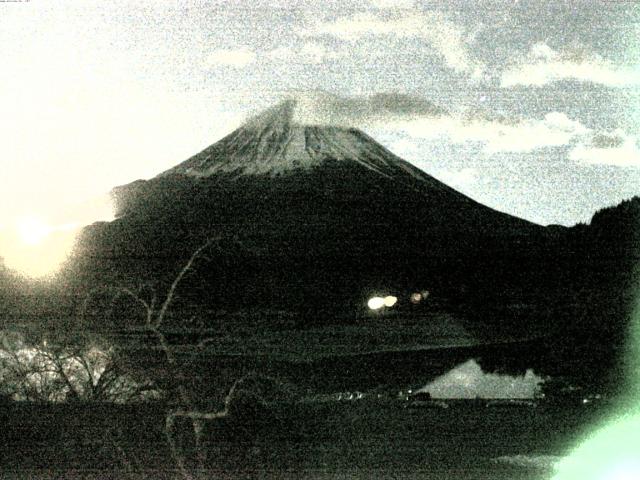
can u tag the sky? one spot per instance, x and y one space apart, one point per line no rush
531 108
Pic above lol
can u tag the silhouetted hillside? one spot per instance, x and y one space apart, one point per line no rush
601 264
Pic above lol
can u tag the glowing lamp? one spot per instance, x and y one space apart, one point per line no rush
376 303
390 301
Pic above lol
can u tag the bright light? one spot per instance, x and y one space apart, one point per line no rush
35 248
376 303
624 471
32 230
390 301
610 454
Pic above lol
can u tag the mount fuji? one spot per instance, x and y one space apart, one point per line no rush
321 216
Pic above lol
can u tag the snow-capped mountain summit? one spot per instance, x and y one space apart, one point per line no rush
279 141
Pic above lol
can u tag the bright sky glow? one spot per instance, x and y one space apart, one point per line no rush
33 230
37 247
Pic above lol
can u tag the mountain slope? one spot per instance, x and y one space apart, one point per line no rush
311 219
275 143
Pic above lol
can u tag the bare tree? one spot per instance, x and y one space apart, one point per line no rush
50 371
154 319
241 396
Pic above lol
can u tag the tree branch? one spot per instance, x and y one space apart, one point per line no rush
177 280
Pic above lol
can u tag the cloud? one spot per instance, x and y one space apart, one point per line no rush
459 178
390 4
605 140
611 148
323 108
469 381
239 58
555 129
500 134
445 37
400 104
310 53
419 118
543 65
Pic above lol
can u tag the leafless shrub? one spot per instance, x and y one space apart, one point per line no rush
59 371
154 314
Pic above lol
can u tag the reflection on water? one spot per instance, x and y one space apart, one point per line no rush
469 381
